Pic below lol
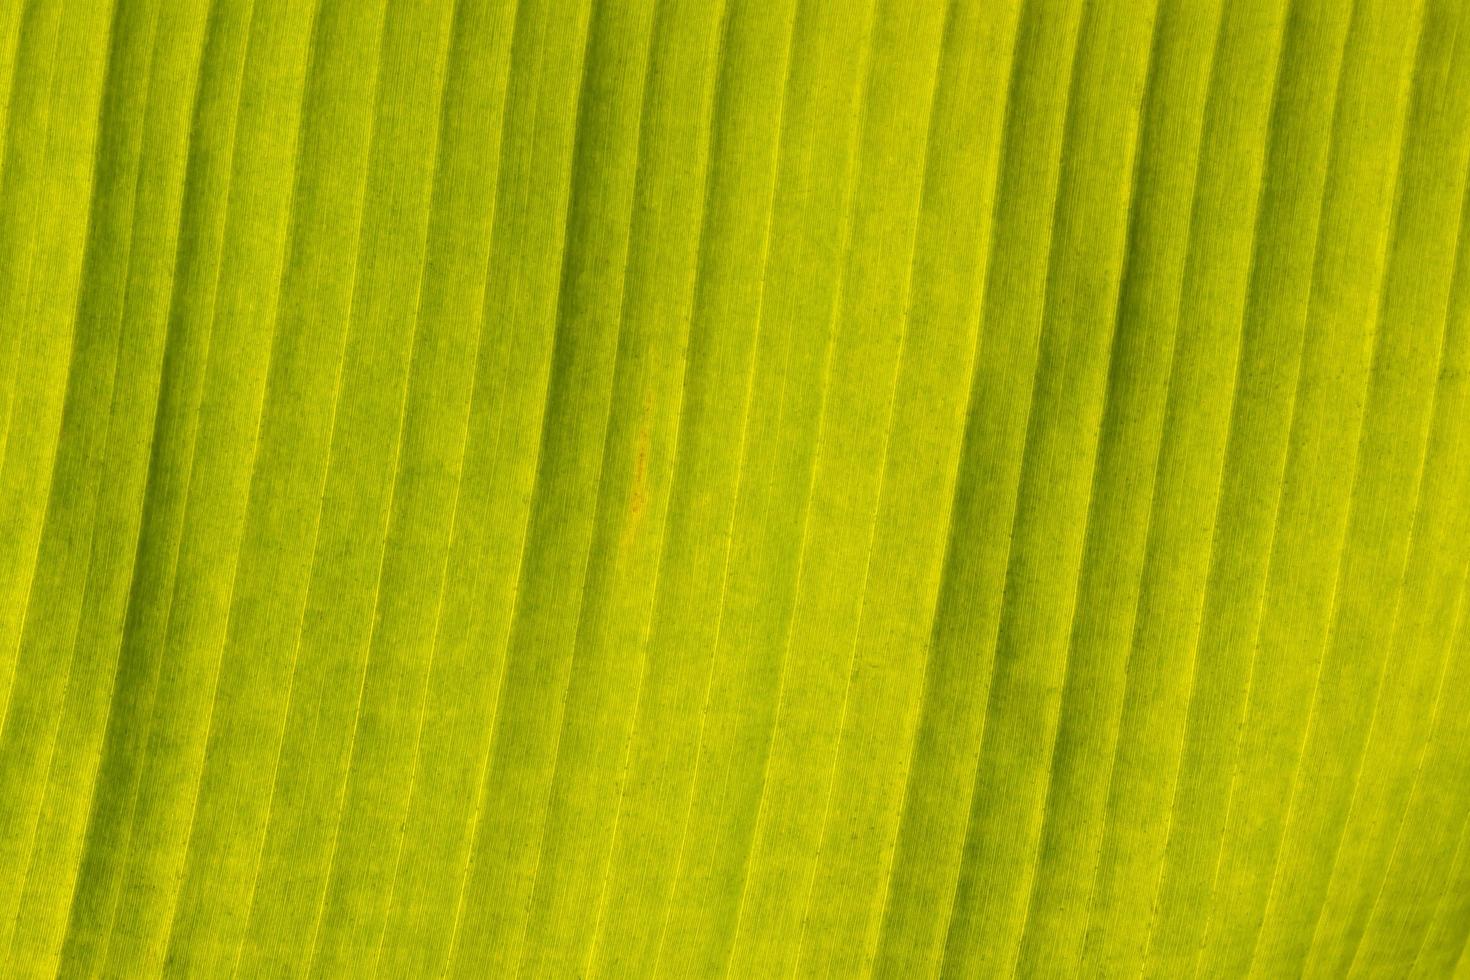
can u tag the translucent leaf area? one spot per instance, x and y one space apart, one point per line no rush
691 489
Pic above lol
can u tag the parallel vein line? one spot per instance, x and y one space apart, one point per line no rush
287 245
661 546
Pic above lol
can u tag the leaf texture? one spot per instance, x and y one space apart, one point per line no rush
717 488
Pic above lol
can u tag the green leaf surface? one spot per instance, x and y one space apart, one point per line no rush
734 488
